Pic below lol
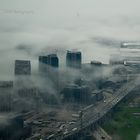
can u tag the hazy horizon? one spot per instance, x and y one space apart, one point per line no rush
95 27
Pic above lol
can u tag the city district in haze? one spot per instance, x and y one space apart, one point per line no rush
75 101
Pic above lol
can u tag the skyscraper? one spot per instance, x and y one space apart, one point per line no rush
49 60
73 59
6 92
48 68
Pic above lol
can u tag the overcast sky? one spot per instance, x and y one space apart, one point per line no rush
95 27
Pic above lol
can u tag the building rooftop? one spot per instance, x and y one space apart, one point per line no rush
22 62
74 51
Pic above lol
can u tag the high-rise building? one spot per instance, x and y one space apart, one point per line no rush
22 67
53 60
6 91
73 59
49 60
48 67
75 93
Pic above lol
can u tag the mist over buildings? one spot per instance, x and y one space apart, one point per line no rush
36 73
30 28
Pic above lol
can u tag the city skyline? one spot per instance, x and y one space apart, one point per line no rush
96 28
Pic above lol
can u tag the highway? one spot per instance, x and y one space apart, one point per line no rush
95 113
100 134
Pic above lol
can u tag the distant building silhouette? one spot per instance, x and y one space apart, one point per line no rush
22 67
6 91
75 93
73 59
50 60
48 67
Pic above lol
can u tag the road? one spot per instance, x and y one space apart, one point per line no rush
92 115
100 134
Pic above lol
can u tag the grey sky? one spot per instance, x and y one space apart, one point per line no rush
93 26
